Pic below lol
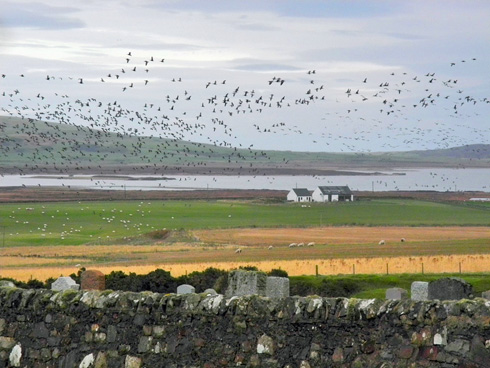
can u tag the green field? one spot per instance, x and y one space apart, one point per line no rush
110 222
374 286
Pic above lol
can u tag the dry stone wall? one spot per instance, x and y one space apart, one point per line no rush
66 329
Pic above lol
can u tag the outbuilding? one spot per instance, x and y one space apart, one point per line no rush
332 194
299 195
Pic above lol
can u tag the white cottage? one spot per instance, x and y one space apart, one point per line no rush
332 194
299 195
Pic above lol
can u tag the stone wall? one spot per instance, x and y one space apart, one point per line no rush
45 328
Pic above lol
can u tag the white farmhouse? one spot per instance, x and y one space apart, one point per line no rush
332 194
299 195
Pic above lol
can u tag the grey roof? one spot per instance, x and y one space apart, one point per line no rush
302 192
335 190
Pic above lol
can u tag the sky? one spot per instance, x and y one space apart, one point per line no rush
333 76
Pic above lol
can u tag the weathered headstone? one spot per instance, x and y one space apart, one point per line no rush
186 289
450 288
246 283
92 280
64 283
210 292
396 294
6 283
486 295
419 291
277 287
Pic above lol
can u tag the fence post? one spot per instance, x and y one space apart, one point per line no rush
387 269
353 269
459 267
422 268
316 270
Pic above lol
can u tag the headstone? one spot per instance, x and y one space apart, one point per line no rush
277 287
6 283
450 288
396 294
64 283
419 291
92 280
246 283
210 292
486 295
186 289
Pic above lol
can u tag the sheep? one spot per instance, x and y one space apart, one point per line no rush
310 244
292 245
270 247
238 250
301 244
381 242
402 240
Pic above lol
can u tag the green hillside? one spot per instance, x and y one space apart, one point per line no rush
36 146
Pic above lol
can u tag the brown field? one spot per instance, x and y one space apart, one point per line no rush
337 250
339 235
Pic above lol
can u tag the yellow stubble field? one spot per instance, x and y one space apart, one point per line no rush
337 250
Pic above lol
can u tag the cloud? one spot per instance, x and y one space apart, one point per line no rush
39 16
264 67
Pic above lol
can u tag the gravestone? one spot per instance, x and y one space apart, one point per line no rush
396 294
186 289
246 283
6 283
486 295
64 283
419 291
450 288
277 287
92 280
210 292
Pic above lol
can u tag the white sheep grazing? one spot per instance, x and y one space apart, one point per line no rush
238 250
301 244
381 242
310 244
292 245
270 247
402 240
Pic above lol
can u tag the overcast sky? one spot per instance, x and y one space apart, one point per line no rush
294 75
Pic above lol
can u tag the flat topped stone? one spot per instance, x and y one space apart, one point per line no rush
6 283
396 294
486 295
450 288
419 291
277 287
64 283
246 283
92 280
186 289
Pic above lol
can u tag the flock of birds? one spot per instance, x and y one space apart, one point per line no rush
110 132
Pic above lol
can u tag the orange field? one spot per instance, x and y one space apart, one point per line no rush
340 235
337 250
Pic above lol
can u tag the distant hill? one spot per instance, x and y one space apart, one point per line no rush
29 146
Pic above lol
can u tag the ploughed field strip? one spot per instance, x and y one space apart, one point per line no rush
340 235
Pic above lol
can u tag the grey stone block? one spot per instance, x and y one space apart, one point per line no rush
419 290
246 283
277 287
186 289
64 283
450 288
486 295
396 294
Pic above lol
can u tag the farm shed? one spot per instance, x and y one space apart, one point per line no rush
332 194
299 195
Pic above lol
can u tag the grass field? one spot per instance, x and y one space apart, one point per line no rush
122 222
49 239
